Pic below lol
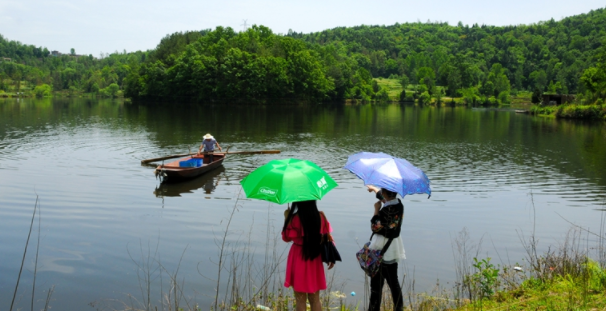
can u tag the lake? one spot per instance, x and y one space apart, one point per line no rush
105 220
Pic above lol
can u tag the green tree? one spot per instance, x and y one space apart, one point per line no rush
538 79
536 96
497 81
424 98
404 81
594 78
94 87
403 96
425 72
471 95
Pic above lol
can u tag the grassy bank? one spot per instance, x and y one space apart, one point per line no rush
393 87
522 98
561 279
572 111
583 289
394 90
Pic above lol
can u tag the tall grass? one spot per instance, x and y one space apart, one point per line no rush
241 282
33 294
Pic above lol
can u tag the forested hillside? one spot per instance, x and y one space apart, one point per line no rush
550 55
34 66
478 62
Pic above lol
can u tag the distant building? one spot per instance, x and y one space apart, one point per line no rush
5 59
556 99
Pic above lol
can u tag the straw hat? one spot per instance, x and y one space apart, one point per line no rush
208 136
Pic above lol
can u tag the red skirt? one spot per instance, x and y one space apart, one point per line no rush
305 276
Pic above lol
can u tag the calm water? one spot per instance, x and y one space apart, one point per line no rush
102 212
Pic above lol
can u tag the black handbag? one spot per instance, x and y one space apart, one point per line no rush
328 250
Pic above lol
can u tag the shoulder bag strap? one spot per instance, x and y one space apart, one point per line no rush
386 246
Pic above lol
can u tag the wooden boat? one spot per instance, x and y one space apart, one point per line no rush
206 183
175 171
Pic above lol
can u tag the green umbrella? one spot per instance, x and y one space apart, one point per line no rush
288 180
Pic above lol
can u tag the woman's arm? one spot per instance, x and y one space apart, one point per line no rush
376 222
377 208
387 222
287 227
285 236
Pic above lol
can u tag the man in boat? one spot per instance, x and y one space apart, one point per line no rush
208 146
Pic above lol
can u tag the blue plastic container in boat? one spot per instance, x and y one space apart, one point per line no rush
191 163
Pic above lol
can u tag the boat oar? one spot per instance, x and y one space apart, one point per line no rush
252 152
227 152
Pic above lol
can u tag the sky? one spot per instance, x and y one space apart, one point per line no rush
105 26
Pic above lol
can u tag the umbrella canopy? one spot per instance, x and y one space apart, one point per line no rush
287 180
385 171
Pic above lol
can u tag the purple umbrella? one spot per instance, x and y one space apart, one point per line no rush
385 171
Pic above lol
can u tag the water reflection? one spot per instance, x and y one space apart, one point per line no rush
208 182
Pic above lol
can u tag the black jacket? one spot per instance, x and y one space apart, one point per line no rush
389 220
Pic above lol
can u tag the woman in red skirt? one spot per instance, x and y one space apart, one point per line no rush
304 226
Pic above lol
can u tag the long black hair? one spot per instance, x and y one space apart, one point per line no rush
310 221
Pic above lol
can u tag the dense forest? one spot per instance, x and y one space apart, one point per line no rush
255 64
479 63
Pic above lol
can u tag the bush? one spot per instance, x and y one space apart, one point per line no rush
504 97
424 98
94 88
537 109
43 90
382 95
110 91
580 112
471 95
